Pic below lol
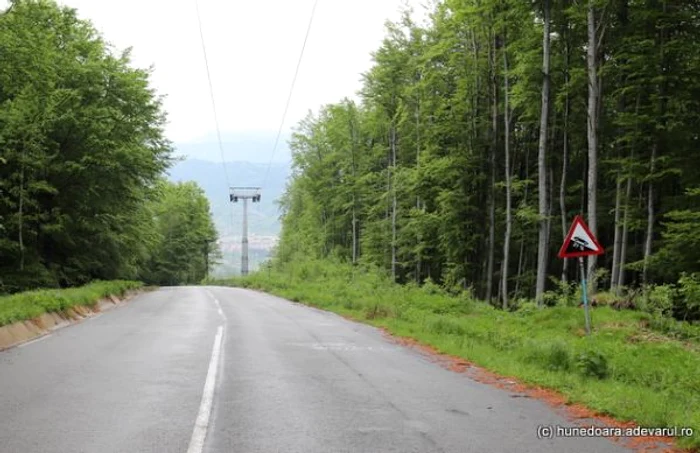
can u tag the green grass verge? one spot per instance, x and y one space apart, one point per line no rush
625 369
30 304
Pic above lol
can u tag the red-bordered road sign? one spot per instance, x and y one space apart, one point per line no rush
580 241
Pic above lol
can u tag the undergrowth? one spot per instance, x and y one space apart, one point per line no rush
636 366
30 304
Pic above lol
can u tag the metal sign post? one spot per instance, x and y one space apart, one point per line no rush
584 287
581 242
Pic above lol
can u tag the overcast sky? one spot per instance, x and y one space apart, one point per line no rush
252 47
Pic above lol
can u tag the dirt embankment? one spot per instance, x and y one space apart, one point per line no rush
23 331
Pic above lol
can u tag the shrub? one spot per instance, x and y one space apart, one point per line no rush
592 364
429 287
677 329
526 307
558 356
377 311
444 325
606 299
658 300
551 355
688 307
567 294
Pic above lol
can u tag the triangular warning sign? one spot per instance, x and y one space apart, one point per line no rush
580 241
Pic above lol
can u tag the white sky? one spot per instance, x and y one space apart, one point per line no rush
253 47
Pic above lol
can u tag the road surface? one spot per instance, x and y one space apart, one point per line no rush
224 370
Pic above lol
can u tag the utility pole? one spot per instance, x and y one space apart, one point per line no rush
245 194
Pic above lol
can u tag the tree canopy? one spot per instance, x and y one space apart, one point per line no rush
487 129
82 151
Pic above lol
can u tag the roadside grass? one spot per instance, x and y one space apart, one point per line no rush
625 369
30 304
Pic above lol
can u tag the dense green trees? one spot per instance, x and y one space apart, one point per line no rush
81 153
183 235
480 135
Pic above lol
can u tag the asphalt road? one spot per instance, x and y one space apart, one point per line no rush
222 370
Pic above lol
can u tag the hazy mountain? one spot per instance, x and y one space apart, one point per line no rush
253 147
263 216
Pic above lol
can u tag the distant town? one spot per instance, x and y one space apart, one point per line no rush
259 250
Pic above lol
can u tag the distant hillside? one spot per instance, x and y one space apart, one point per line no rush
251 146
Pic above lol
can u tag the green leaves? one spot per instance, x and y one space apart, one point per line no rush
183 237
593 363
435 96
81 142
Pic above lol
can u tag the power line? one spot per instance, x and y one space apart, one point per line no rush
211 94
291 91
216 116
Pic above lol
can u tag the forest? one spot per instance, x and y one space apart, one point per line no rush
82 160
480 133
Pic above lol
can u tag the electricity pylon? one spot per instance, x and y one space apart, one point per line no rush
245 194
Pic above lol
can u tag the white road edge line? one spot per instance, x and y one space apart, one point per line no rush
54 329
36 340
201 425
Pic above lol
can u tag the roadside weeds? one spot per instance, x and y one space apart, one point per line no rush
605 379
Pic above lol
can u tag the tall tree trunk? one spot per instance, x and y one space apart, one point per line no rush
21 215
625 230
521 254
420 239
393 203
562 204
492 165
387 210
492 225
509 201
584 189
565 159
659 130
618 233
353 138
628 197
593 95
550 207
622 17
354 231
542 245
650 217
